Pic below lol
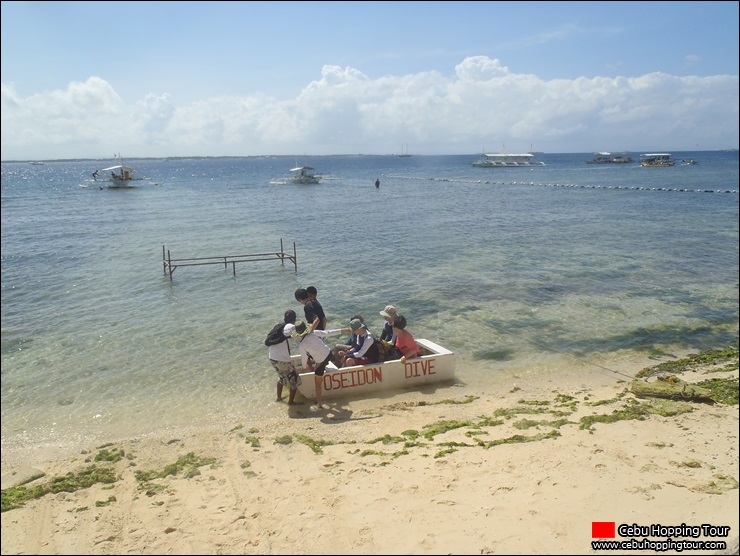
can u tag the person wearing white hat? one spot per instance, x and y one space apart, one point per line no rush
388 334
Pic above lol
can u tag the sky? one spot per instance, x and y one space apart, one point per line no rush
168 79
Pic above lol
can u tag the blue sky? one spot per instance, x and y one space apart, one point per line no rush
153 79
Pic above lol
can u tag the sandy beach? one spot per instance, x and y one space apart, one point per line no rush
451 470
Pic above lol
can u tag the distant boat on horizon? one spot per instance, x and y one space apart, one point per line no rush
404 153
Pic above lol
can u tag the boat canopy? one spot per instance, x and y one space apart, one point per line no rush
301 168
656 154
499 155
119 167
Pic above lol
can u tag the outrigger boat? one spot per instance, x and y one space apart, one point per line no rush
610 158
434 364
497 160
304 174
300 175
119 176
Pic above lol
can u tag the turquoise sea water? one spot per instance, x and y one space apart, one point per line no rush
569 267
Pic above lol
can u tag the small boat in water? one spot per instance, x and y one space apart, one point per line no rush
434 364
120 175
300 175
114 177
305 174
497 160
610 158
657 159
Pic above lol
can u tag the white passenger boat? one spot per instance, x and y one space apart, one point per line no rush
434 364
610 158
497 160
657 159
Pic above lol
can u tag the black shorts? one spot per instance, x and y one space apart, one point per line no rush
319 371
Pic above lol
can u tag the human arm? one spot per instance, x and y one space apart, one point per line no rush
358 353
332 332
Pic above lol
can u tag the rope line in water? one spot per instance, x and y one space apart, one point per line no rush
570 185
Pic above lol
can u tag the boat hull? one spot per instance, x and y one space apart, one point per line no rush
436 364
306 179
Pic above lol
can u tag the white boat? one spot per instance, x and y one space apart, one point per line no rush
115 176
119 176
657 159
610 158
496 160
304 174
434 364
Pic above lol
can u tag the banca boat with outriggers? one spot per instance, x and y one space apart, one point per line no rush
498 160
435 364
301 175
657 159
114 177
304 174
610 158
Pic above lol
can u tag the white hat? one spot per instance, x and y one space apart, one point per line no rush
389 311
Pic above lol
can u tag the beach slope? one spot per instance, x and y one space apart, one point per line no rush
523 470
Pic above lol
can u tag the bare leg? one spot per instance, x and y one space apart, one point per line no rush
291 396
318 380
279 391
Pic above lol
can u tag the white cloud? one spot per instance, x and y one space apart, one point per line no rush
483 105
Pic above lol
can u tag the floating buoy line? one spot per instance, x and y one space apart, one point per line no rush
565 185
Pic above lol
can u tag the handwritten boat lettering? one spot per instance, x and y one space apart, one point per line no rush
362 376
419 368
353 377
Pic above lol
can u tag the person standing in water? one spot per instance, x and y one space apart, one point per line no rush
315 354
377 183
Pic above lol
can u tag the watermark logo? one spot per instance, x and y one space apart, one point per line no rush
657 536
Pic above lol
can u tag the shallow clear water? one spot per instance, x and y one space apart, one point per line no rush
569 266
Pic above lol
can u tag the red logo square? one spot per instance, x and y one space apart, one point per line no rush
602 529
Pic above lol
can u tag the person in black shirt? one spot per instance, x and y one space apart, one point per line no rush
312 293
311 308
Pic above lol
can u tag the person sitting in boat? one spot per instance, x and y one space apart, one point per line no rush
95 175
367 352
404 340
352 343
389 313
